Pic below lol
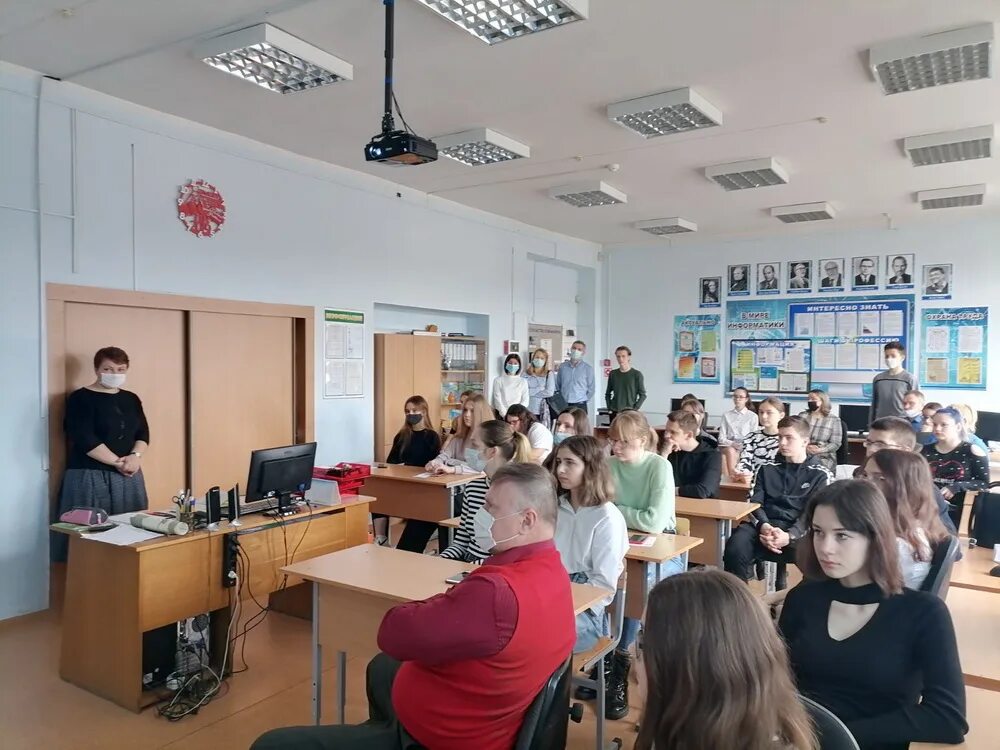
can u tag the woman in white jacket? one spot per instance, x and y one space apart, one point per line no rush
509 388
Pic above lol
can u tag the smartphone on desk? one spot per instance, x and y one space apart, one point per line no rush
458 577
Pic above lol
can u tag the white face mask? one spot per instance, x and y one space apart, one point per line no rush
913 413
474 459
112 379
482 524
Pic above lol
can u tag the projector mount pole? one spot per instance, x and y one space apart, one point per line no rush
388 126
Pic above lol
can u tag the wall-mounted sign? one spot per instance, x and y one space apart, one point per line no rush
200 208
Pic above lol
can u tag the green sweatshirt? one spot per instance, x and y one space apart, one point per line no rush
626 390
644 493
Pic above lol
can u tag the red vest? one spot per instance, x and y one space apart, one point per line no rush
480 703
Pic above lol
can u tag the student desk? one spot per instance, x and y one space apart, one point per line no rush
354 588
977 622
712 520
638 561
116 593
402 494
973 571
736 492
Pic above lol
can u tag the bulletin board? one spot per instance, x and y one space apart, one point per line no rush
697 348
847 334
771 366
953 351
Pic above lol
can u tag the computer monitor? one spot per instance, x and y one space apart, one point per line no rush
275 473
675 403
855 417
988 426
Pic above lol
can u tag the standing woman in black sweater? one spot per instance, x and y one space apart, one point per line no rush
416 444
108 435
881 657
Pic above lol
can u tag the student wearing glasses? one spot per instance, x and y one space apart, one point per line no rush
738 424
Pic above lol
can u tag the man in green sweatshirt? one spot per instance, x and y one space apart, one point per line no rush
626 388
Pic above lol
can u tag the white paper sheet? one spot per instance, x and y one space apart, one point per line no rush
938 338
970 339
354 378
869 356
333 378
355 342
892 322
824 357
869 322
826 324
804 325
336 340
847 324
796 360
122 535
847 356
423 475
792 382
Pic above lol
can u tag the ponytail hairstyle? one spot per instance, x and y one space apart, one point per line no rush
514 446
631 424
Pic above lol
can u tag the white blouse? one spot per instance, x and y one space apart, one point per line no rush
540 437
914 571
507 391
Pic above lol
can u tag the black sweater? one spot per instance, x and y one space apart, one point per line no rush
423 448
783 489
92 418
897 680
697 473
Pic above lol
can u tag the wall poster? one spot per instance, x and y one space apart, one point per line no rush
953 347
697 348
771 366
343 354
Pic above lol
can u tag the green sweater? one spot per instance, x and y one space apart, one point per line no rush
626 390
644 493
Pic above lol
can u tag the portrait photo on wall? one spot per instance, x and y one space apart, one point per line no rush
800 276
865 268
899 271
768 278
739 280
937 281
709 291
831 275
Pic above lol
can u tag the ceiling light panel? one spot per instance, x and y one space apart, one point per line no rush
933 60
955 197
589 194
496 21
663 114
481 146
744 175
803 212
274 59
956 145
660 227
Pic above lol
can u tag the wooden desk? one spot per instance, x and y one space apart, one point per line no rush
354 588
977 623
736 492
980 710
401 494
712 520
638 562
973 570
116 593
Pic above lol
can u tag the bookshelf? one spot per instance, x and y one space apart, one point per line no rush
463 367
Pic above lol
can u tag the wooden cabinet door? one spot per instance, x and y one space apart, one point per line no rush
427 374
154 342
242 374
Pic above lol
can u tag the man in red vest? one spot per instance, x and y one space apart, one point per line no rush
459 670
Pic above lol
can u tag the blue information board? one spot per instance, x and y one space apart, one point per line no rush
771 366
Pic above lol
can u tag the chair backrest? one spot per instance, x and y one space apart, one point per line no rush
546 721
842 452
831 732
942 560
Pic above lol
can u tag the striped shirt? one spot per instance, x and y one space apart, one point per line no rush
463 545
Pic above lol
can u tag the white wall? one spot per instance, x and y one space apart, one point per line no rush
646 286
297 231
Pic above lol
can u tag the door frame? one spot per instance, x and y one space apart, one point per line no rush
58 295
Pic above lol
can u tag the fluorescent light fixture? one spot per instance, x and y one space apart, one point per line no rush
499 20
662 114
588 194
803 212
955 145
676 225
933 60
273 59
742 175
481 146
955 197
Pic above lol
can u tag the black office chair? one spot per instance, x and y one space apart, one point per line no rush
831 732
942 560
844 450
546 723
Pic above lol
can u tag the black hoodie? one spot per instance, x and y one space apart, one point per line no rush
783 489
697 473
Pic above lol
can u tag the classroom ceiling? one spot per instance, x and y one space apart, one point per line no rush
790 78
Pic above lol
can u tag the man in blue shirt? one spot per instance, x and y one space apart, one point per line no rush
575 379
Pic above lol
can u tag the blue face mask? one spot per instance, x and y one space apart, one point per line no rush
575 354
538 363
511 368
474 459
558 437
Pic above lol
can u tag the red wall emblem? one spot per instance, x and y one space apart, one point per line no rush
201 208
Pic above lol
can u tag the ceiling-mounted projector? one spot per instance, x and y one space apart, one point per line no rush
399 148
396 147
